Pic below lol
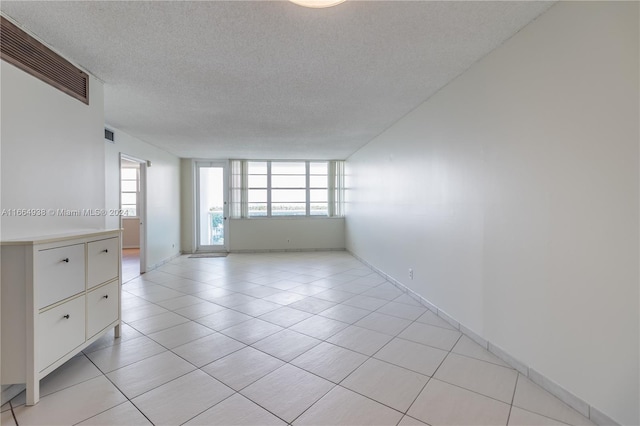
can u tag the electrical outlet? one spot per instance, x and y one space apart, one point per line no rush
410 273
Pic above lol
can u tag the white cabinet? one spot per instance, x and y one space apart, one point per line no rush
59 294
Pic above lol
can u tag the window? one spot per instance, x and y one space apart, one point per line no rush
286 188
129 190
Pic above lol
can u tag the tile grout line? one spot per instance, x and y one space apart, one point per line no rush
208 408
434 373
119 390
542 415
513 397
314 402
13 414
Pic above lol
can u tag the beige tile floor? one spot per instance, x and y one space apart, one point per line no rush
283 338
130 264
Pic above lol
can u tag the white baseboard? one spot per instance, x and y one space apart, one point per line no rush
305 250
162 262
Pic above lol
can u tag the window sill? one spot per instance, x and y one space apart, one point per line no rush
290 218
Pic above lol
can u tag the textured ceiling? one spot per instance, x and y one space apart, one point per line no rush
269 79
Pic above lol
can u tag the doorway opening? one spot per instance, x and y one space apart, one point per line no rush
133 218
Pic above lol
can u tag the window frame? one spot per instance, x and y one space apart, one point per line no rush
241 189
136 192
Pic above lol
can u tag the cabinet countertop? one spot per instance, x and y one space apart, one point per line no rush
70 235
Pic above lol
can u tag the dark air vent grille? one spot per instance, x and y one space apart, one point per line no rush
108 135
28 54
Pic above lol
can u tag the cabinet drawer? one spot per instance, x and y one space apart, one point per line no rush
61 329
102 307
102 261
60 273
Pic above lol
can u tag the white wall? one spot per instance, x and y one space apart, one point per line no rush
51 154
513 194
187 199
163 193
286 234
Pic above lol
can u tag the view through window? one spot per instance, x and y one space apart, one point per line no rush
211 205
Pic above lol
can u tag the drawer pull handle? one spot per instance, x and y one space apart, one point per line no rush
66 259
106 296
105 251
65 316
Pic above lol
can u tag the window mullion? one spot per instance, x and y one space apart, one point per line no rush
244 188
340 188
138 191
268 188
307 189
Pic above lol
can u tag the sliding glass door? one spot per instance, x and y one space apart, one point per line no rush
211 206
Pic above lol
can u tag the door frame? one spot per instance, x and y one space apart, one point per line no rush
142 205
199 248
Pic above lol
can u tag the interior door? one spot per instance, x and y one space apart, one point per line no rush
212 232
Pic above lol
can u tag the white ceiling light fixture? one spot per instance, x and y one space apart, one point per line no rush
317 4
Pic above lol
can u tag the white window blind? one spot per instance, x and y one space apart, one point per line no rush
238 189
